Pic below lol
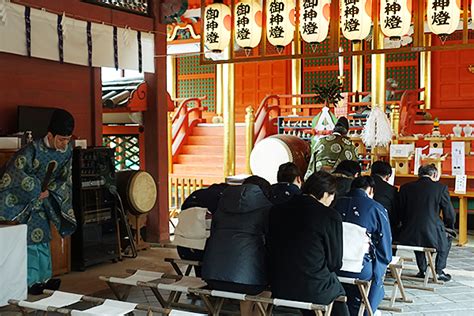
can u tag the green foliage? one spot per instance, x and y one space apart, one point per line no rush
328 94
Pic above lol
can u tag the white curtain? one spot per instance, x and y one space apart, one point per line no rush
44 40
75 35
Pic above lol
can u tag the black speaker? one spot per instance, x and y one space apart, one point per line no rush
96 237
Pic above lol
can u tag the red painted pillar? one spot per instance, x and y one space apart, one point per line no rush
155 122
96 106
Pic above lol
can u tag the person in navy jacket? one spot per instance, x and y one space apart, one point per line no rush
358 207
289 183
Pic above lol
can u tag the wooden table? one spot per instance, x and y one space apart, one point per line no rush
462 238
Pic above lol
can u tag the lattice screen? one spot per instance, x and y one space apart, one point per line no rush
401 67
127 150
195 80
323 70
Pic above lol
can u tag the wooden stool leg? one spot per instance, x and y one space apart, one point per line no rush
364 291
432 267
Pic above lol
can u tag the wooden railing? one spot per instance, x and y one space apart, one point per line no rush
178 190
265 118
181 123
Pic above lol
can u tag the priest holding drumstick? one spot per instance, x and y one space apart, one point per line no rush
36 189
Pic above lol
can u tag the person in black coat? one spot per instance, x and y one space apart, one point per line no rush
386 194
206 198
305 243
421 225
235 254
289 183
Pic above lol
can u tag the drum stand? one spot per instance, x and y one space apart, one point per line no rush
137 222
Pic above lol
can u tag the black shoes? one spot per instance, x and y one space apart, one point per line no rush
443 276
51 284
420 275
440 275
36 289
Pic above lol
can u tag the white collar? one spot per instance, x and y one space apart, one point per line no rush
46 142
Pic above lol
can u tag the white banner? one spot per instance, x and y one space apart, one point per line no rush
458 161
44 40
75 35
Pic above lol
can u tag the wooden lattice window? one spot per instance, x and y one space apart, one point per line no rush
404 68
195 80
128 144
322 70
127 151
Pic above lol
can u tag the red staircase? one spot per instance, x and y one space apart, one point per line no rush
202 154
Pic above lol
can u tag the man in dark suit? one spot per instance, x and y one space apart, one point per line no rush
385 193
421 224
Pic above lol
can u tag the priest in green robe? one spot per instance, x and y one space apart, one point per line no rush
328 151
36 189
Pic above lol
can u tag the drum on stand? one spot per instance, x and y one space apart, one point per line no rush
138 192
268 154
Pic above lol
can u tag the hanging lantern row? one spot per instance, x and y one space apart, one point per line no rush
355 20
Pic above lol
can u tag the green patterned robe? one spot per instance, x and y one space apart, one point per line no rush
328 151
20 188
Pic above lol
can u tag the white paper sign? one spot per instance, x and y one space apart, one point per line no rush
461 183
435 152
418 154
401 150
391 180
458 158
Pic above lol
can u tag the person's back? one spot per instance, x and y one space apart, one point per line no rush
302 269
328 151
420 204
385 193
194 222
421 225
234 258
305 243
357 207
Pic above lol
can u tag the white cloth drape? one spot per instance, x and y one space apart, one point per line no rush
13 269
44 40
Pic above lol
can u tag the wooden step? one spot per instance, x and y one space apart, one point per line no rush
196 170
206 159
215 131
208 149
212 140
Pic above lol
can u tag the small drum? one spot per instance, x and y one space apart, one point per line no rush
268 154
137 190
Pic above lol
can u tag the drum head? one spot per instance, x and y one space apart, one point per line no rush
142 192
267 156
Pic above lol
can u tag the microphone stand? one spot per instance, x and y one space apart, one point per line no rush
128 230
